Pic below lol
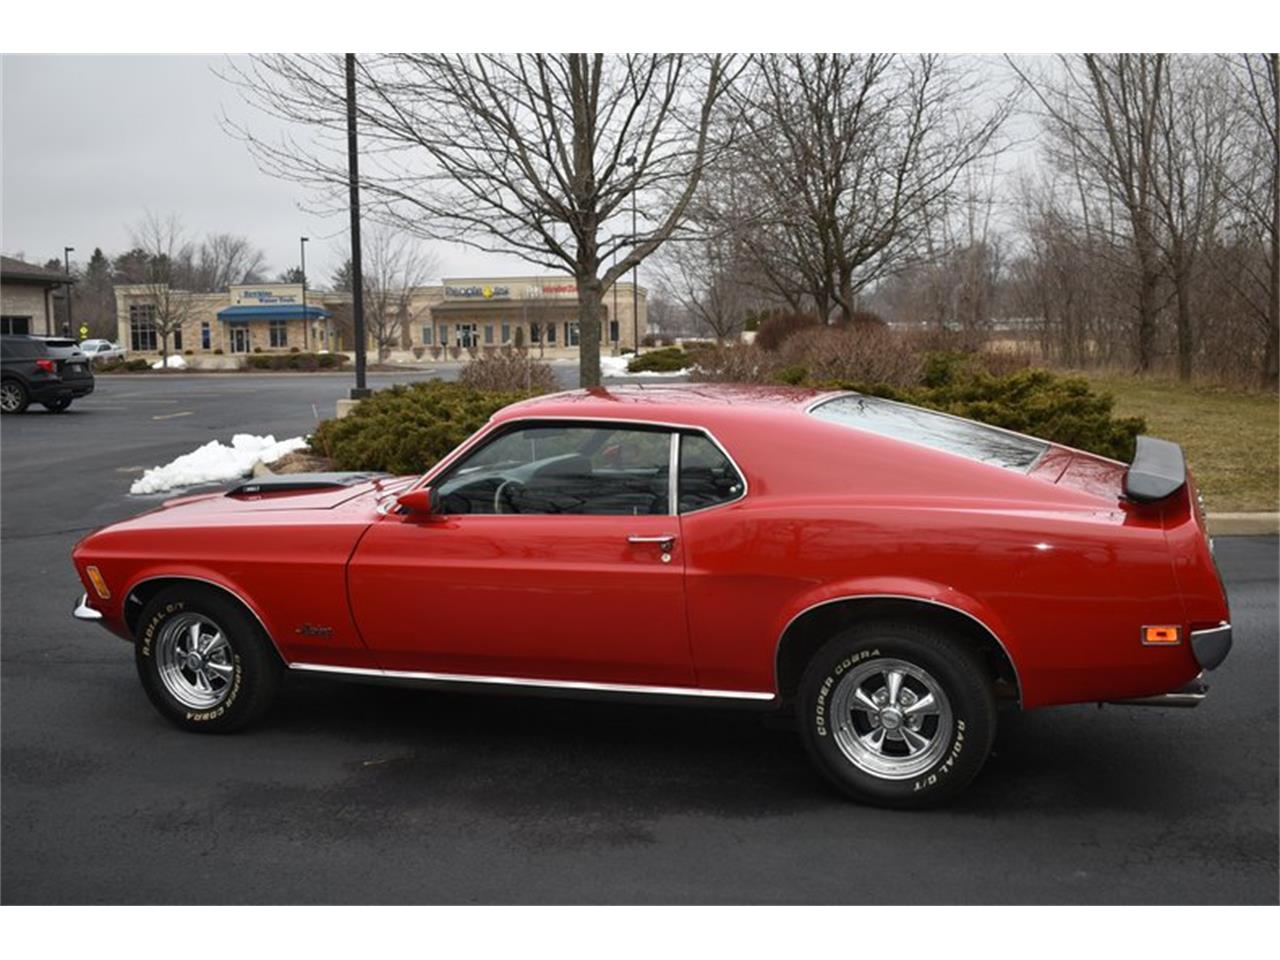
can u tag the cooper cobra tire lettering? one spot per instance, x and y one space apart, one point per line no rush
820 710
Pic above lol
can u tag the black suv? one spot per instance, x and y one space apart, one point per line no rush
51 371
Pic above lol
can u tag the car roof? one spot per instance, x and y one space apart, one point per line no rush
659 402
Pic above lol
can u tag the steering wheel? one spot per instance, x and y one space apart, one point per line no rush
502 496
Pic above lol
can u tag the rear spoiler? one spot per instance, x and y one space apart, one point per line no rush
1158 470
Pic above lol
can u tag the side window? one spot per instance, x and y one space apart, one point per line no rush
550 469
707 476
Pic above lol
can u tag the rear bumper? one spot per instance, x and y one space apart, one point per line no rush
1211 646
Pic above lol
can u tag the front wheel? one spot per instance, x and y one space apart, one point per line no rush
205 662
896 714
58 405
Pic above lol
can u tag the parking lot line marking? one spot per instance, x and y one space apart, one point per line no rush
170 416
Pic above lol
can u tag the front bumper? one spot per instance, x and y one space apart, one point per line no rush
85 612
1211 646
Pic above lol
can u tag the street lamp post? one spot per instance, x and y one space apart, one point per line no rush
635 296
306 322
357 272
66 263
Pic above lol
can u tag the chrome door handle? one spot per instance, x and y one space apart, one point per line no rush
661 538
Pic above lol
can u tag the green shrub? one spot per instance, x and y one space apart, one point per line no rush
1036 402
295 361
660 361
794 376
406 429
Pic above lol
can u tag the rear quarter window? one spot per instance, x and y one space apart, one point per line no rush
929 428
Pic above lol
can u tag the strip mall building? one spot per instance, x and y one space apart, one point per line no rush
449 319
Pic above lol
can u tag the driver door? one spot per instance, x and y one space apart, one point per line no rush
555 555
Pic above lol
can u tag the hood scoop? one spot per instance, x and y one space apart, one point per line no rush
297 482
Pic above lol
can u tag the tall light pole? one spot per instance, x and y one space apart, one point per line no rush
635 294
353 187
306 322
66 264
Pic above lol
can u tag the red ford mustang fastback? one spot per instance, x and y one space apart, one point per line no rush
891 574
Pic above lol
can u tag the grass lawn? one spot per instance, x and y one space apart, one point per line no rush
1231 438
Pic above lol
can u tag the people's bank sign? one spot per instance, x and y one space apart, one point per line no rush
478 292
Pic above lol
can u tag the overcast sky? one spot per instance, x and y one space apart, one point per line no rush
92 142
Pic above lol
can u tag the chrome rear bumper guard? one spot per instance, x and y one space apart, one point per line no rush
85 612
1211 646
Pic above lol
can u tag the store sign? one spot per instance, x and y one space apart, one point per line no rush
261 295
559 289
478 292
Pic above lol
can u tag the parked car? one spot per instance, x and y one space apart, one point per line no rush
892 575
30 375
75 369
102 350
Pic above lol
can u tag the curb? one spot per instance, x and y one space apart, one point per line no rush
1244 524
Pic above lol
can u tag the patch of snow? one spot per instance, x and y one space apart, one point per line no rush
617 367
216 462
173 362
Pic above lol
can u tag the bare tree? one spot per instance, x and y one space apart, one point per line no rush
539 155
394 265
223 259
1256 197
1194 121
167 250
1102 113
850 153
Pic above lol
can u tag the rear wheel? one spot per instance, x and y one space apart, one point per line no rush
896 714
13 397
205 662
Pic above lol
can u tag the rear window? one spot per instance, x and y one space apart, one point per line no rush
941 431
17 348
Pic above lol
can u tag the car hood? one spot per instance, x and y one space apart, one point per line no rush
244 501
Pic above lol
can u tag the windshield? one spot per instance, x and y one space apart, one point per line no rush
941 431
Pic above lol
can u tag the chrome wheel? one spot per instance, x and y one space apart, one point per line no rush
11 398
891 719
195 661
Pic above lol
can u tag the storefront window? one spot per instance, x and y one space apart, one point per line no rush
426 335
506 333
206 335
488 333
278 335
444 334
142 326
535 333
613 330
571 334
551 333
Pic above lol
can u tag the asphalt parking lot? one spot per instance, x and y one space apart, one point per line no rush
370 794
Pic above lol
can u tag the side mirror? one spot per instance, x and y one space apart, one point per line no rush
421 501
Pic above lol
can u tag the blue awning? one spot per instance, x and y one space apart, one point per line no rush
273 311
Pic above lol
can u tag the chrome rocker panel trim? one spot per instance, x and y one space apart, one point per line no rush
579 686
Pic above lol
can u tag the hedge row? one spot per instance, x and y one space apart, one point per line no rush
406 429
1035 402
295 361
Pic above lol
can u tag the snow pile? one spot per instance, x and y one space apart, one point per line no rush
216 463
173 362
617 367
